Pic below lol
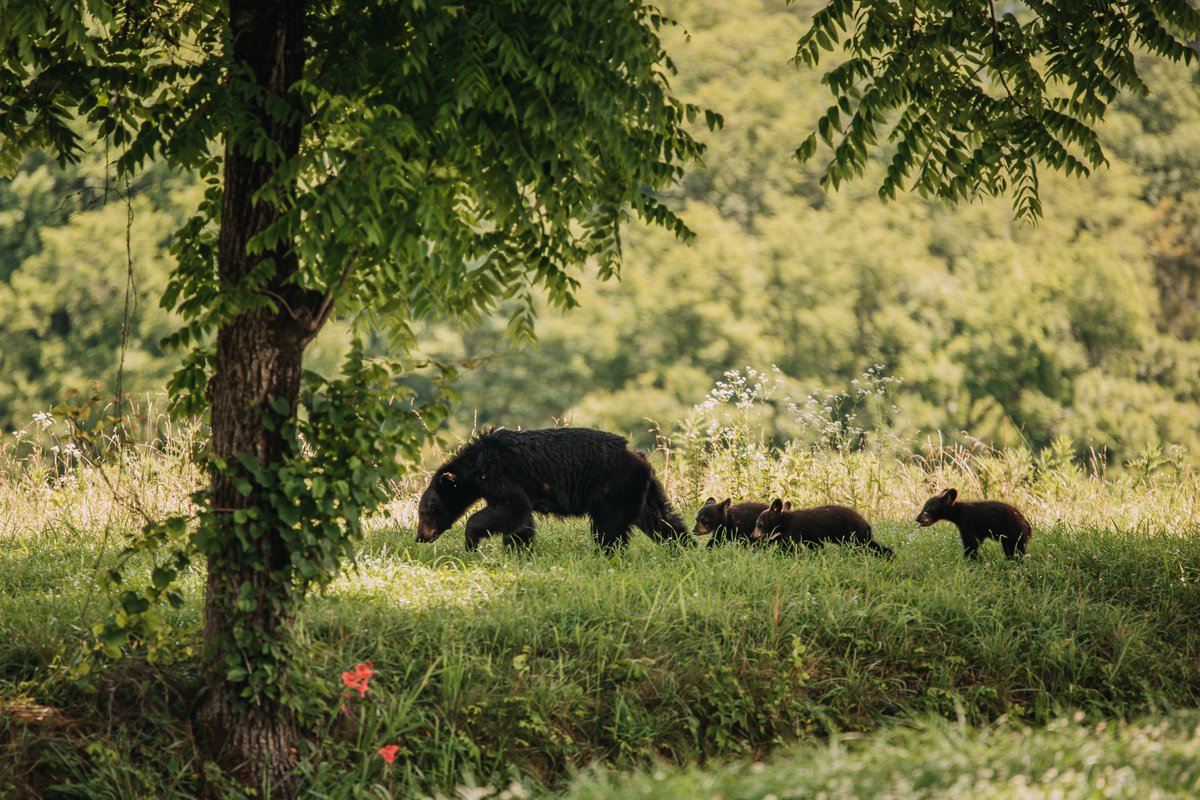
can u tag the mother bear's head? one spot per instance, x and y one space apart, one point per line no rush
441 504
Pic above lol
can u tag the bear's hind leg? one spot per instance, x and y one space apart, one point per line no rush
611 532
659 521
881 550
866 538
522 537
670 528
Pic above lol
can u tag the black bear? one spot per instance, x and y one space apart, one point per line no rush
560 471
815 526
727 521
979 520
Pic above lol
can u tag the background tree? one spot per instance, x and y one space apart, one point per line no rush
66 274
393 161
975 98
955 299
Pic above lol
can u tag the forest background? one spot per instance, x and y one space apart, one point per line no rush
1082 328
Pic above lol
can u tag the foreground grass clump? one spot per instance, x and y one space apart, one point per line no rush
1148 759
563 658
526 667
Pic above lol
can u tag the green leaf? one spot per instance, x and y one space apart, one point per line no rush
162 577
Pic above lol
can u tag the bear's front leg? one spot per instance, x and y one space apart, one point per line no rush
522 536
970 543
1014 545
511 517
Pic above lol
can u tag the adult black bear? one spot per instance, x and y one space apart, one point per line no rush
978 521
561 471
815 526
727 521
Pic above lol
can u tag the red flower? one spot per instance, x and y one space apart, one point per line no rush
359 679
388 752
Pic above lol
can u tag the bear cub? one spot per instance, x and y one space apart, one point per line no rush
978 521
727 521
816 526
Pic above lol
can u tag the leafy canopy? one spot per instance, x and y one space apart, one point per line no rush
975 95
453 154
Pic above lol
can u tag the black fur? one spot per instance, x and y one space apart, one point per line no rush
978 521
816 526
565 472
727 521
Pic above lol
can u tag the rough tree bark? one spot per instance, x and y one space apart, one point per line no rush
258 357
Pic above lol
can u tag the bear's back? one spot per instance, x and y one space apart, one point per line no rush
562 470
992 516
741 517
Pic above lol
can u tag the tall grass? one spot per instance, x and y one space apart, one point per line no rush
841 447
60 471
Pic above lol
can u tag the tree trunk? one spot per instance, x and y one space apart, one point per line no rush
258 357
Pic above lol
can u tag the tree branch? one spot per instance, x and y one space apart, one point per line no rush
329 299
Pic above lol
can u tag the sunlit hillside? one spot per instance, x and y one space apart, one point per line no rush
1083 325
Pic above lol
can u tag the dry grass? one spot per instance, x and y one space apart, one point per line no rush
51 476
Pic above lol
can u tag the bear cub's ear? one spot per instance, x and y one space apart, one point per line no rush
725 503
710 501
950 495
777 505
448 480
787 506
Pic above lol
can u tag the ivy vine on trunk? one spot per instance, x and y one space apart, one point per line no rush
256 374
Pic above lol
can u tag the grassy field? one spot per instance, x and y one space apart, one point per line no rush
1067 759
663 672
516 671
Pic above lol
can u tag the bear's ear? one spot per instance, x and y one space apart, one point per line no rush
725 503
950 495
777 505
448 480
710 501
787 506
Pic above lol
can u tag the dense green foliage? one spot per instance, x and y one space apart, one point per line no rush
1083 326
63 278
63 283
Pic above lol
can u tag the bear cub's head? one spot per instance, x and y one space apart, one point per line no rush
712 515
936 507
767 527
